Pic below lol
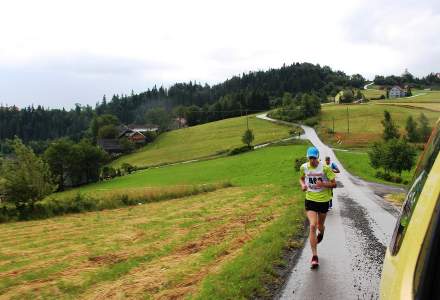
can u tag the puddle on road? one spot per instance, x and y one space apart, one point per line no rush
366 250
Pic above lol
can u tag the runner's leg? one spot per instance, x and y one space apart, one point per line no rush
321 221
313 221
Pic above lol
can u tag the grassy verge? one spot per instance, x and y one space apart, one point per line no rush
203 141
358 164
170 249
242 278
396 198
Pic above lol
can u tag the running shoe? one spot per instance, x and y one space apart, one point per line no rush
320 236
315 262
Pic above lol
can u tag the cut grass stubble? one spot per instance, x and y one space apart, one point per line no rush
208 244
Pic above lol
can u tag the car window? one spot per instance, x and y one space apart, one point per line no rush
423 168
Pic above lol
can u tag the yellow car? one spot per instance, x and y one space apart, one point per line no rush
411 268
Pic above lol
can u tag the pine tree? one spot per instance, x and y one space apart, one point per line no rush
425 130
412 134
390 130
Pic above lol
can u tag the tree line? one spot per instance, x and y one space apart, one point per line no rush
249 92
429 80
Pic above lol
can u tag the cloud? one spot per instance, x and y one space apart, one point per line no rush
408 28
62 81
94 47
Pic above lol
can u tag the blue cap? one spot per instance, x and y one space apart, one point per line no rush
312 152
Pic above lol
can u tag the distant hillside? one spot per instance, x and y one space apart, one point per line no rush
254 91
202 140
250 92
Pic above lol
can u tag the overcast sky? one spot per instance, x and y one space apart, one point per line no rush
57 53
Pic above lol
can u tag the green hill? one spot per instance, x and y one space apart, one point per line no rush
202 141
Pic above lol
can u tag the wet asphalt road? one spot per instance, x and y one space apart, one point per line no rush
358 230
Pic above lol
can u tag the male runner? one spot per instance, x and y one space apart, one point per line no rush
335 169
316 179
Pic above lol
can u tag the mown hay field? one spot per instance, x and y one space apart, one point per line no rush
202 141
221 244
424 105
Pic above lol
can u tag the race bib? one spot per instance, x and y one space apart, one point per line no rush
312 182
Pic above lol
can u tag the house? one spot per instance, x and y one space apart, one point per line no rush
110 145
136 137
130 129
348 96
397 92
138 134
178 123
181 122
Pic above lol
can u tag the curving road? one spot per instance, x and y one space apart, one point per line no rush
358 229
367 85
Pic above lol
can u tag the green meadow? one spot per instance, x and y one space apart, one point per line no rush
364 122
202 141
221 244
358 163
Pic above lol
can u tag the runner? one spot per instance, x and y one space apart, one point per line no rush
316 179
335 169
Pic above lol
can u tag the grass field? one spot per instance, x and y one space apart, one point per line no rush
221 244
202 141
358 164
418 96
420 105
373 93
364 121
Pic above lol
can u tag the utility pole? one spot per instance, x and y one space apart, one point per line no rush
333 125
348 122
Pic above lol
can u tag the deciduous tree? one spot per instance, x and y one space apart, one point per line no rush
26 178
248 137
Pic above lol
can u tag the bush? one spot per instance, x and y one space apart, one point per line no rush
128 168
299 162
330 130
8 213
389 177
396 179
313 121
239 150
383 175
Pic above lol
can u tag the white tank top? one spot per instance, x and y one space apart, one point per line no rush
312 176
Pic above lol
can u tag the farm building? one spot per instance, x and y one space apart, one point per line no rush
397 92
110 145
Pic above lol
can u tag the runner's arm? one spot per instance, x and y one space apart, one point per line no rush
302 177
331 184
335 168
303 183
